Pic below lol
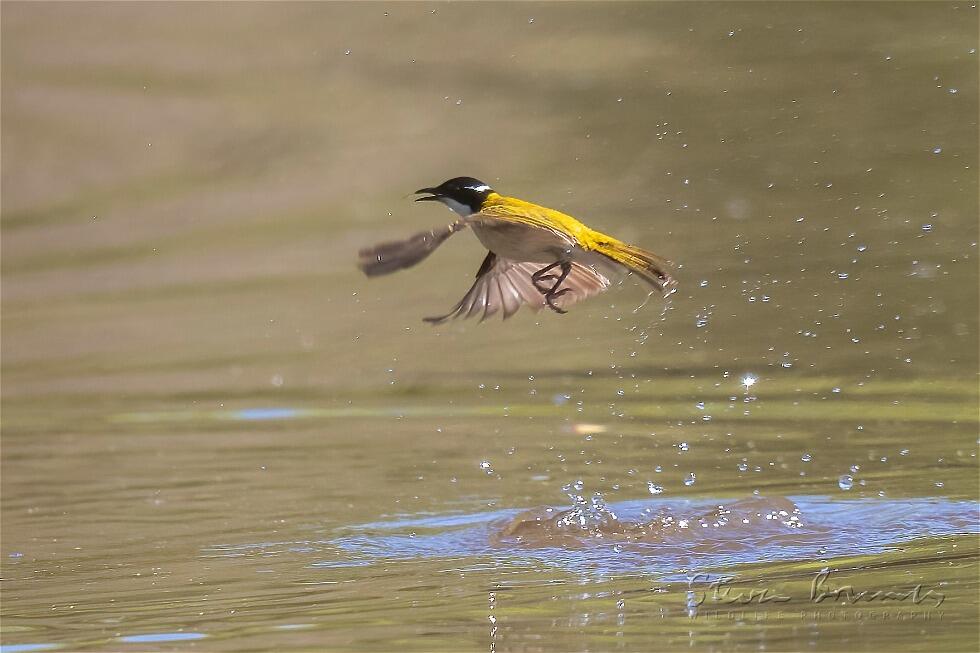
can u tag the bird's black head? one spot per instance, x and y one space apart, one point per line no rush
464 195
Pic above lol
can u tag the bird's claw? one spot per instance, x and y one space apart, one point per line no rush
551 296
543 288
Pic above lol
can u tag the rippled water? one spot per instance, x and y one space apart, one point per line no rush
668 540
217 434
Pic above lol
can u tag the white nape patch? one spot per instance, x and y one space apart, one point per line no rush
482 188
457 207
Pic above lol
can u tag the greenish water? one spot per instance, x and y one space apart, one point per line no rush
218 435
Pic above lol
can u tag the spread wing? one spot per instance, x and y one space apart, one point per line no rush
505 285
389 257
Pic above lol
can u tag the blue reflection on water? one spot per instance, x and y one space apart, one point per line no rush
26 648
822 528
161 637
258 414
828 528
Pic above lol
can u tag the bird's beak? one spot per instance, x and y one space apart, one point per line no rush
433 195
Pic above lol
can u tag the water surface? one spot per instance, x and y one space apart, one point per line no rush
217 435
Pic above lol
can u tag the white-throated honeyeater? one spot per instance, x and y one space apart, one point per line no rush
538 256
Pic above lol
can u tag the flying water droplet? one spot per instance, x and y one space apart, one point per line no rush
575 485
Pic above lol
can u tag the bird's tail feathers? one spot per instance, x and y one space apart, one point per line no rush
389 257
647 265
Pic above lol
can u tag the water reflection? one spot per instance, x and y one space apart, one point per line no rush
27 648
667 539
153 638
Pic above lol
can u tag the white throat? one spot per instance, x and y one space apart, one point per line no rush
457 207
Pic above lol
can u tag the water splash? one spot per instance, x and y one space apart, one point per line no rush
666 538
588 515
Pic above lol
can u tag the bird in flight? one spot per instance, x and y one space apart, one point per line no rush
537 256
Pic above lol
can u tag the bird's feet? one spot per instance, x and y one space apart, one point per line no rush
545 283
550 298
542 278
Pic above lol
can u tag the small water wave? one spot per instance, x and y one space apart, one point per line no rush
722 527
153 638
27 648
666 538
